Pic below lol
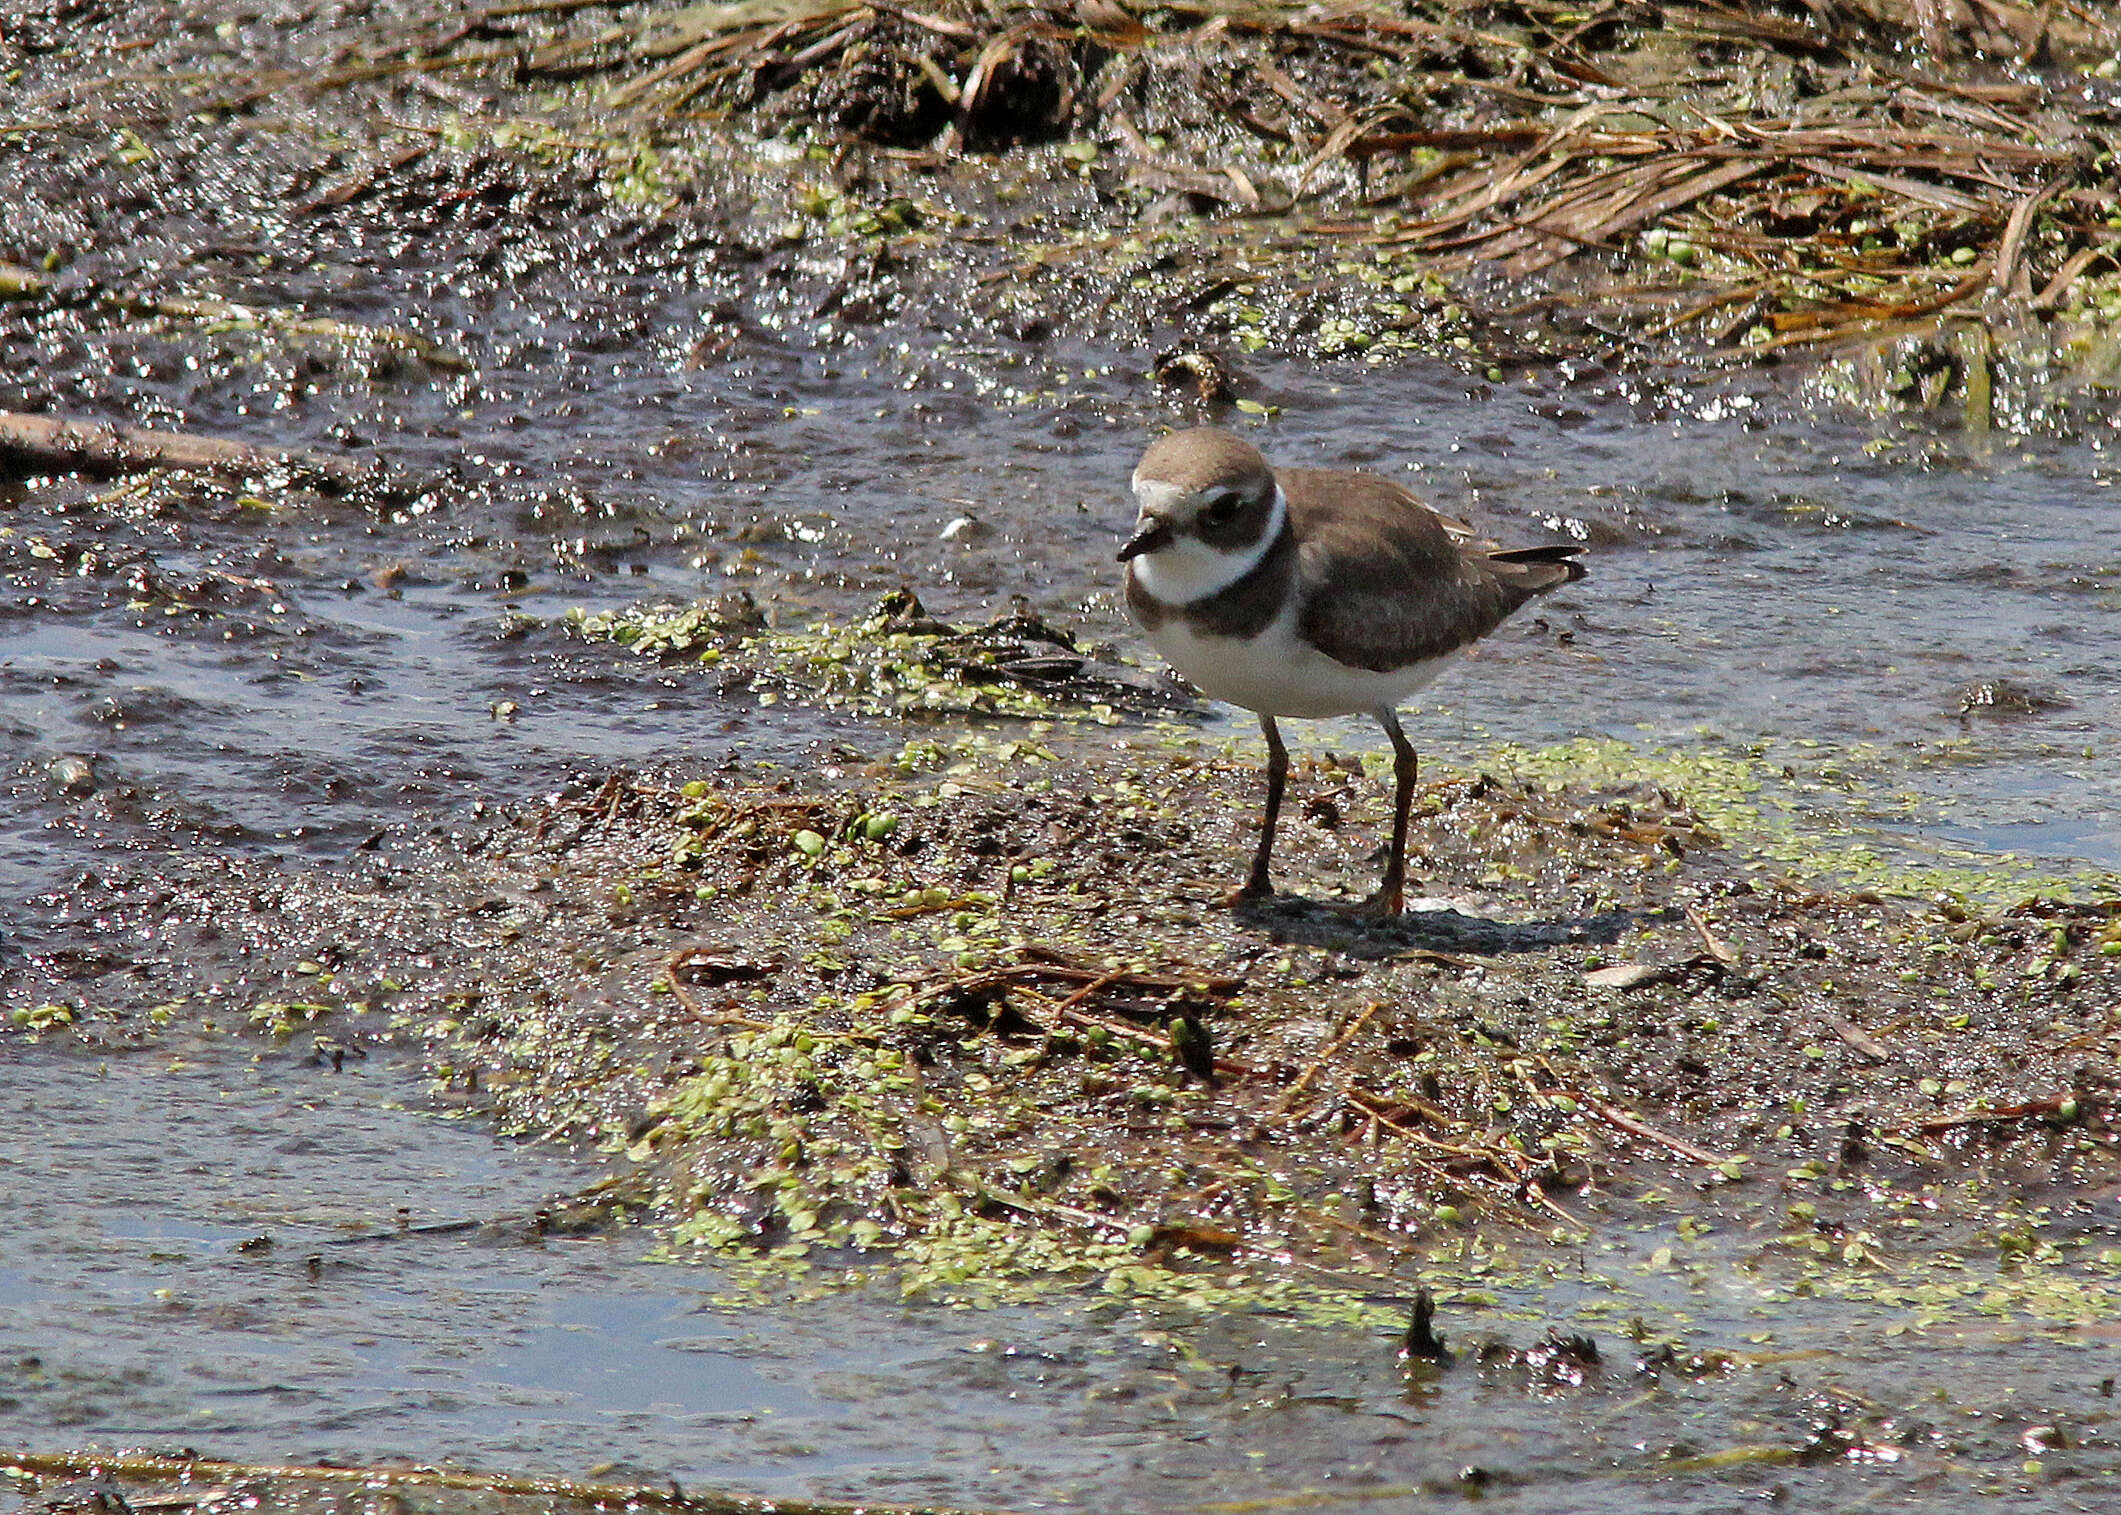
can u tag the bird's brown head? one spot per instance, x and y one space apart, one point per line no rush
1201 489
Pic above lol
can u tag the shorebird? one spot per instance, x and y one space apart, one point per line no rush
1311 592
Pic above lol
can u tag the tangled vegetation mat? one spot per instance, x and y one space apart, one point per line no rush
1921 191
976 1011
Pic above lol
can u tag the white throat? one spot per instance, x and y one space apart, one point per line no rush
1188 569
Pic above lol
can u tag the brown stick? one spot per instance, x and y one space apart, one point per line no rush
1496 1158
2084 257
2012 248
1371 1106
105 448
1866 1045
2002 1115
602 1495
1332 1050
1049 967
685 996
1866 321
1070 1010
941 26
1718 948
1613 1115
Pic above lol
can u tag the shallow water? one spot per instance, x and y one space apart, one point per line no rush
1755 579
253 1256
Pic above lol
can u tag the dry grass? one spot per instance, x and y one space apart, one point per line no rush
1784 174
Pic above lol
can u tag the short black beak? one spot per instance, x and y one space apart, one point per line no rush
1152 533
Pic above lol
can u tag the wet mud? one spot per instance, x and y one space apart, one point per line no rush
979 988
1660 1127
656 688
1920 194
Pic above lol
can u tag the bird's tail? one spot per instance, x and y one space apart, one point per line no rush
1535 570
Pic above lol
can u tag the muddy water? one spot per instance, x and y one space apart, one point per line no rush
272 1261
285 678
308 674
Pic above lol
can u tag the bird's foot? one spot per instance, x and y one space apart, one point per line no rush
1385 905
1250 892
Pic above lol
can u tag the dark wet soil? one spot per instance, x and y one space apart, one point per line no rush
848 958
1500 186
989 975
971 1022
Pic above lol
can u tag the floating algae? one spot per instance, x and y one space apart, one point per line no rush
898 661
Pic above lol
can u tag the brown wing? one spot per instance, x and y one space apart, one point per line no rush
1388 582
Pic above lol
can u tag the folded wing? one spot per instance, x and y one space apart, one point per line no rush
1389 582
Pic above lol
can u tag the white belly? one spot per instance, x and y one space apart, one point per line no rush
1278 674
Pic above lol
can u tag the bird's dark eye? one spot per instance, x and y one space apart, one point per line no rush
1220 511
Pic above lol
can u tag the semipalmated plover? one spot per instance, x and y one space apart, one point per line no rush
1312 592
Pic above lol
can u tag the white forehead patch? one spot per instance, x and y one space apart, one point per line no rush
1157 496
1187 569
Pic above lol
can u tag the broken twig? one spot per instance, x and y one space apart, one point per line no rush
104 447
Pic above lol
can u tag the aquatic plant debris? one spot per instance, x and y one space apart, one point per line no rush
897 661
1927 201
283 1481
974 1021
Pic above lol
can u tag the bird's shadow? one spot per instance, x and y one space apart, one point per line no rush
1443 928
